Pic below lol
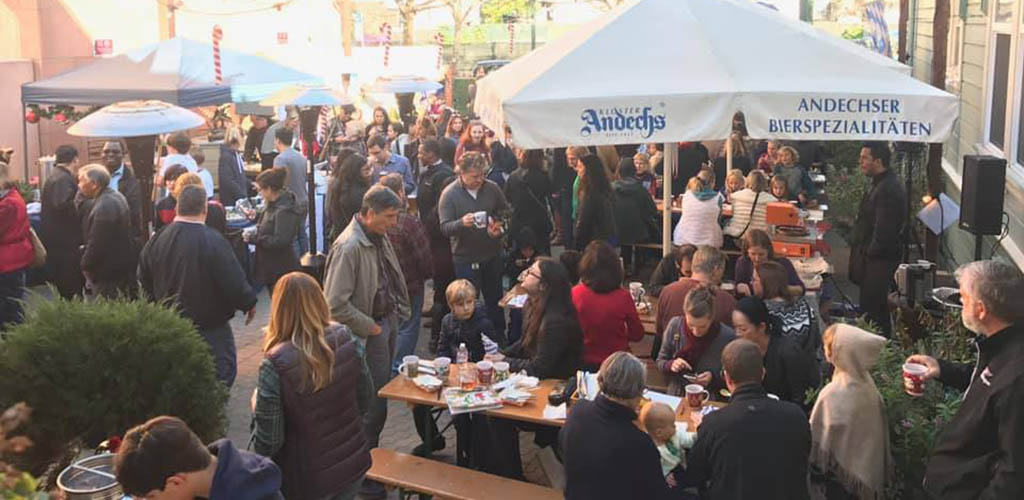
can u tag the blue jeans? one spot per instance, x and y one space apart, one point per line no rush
225 359
408 332
486 277
302 240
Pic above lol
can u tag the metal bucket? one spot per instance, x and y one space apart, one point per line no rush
90 479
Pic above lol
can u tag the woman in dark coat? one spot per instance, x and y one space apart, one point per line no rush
788 371
551 347
277 229
350 183
527 190
635 211
595 218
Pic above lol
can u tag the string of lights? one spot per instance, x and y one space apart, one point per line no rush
179 5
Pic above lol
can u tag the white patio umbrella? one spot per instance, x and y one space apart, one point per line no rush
139 122
136 118
665 71
305 95
399 84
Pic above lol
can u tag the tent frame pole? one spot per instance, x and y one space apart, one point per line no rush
24 140
671 158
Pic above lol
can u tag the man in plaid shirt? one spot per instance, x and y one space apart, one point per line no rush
409 238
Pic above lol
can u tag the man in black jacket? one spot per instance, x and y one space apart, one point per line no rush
756 447
981 451
433 180
61 231
110 253
875 251
123 180
232 181
195 267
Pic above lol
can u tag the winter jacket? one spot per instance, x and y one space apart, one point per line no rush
595 220
15 238
879 228
324 450
110 253
242 474
432 183
128 186
980 453
352 278
798 181
194 267
635 212
789 371
233 183
60 229
746 215
607 456
755 447
345 207
557 352
527 191
455 331
276 232
698 224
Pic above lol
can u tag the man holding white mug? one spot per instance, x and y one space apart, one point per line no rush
476 237
981 451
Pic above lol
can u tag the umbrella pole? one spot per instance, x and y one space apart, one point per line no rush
668 172
312 262
24 144
141 151
728 155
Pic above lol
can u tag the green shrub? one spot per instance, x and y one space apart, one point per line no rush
93 370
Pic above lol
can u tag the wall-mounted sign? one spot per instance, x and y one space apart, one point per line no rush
282 38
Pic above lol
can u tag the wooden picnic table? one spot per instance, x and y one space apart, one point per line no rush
401 388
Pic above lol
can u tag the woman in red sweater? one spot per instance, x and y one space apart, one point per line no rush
15 249
606 311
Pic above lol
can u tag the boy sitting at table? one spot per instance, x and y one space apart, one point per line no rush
466 324
659 422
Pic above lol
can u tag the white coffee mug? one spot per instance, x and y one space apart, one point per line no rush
480 219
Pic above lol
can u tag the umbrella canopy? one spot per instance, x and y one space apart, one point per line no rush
692 72
399 84
177 71
305 95
136 118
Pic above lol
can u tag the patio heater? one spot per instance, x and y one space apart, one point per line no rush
309 100
139 123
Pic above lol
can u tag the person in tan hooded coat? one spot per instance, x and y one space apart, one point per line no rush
848 426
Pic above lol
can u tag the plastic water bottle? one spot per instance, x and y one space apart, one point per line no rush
462 356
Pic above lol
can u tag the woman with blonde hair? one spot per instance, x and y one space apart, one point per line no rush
798 182
702 206
307 408
850 454
216 216
749 206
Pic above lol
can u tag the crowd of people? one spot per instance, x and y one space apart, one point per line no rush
488 215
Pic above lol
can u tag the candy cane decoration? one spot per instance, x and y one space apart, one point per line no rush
385 29
439 38
218 34
511 37
321 129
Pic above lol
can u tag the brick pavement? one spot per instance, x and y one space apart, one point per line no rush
399 432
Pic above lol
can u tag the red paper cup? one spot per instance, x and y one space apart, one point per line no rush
913 378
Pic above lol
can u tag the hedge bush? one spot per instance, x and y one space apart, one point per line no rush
93 370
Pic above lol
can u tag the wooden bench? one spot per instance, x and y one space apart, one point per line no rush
415 475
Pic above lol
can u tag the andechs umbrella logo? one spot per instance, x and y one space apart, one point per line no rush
629 121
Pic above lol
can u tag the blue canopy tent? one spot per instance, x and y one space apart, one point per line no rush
176 71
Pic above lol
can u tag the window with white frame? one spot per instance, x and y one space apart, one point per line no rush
954 57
